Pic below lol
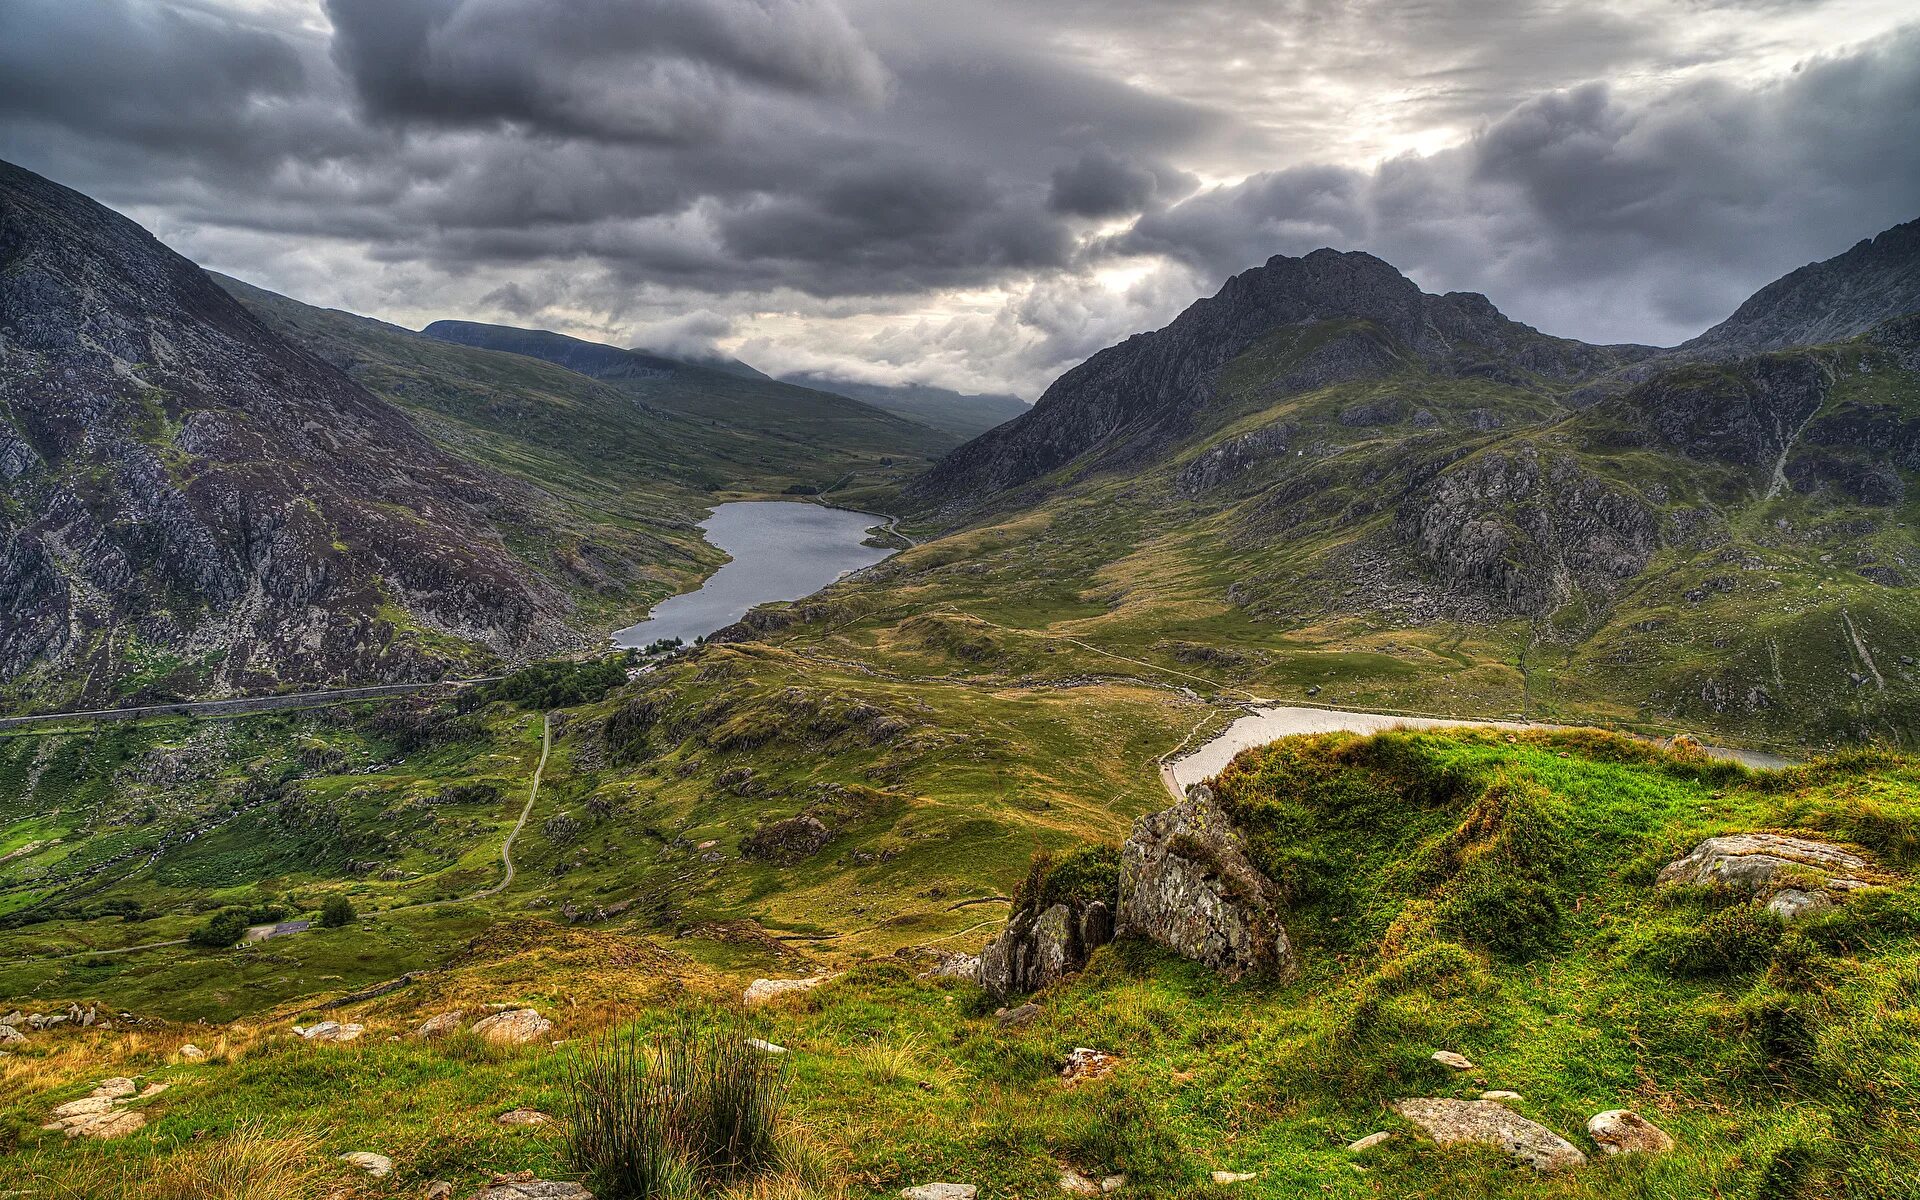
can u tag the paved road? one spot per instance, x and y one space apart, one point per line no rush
241 705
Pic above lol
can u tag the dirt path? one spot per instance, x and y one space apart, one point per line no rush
533 793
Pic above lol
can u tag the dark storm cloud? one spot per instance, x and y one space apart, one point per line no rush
112 68
623 167
1102 184
643 70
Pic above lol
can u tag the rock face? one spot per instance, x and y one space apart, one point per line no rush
1186 882
1036 950
1795 876
1825 301
1620 1131
1489 1124
180 476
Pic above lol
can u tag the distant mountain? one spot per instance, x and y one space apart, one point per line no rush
966 414
1355 316
809 421
192 504
1327 454
1825 301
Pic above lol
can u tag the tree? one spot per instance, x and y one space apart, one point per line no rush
220 930
338 911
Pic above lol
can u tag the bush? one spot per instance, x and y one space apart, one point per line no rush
221 930
1732 941
659 1117
337 911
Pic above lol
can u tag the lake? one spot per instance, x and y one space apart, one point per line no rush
781 550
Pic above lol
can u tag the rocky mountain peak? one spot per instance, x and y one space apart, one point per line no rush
1878 279
1135 399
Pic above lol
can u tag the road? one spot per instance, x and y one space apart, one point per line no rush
242 705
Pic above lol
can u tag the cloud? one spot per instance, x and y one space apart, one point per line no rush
1596 215
977 192
642 70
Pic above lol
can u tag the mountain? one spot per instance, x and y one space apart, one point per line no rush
1825 301
1425 505
194 504
1345 316
752 407
966 414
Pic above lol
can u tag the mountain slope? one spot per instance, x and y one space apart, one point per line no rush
194 504
1825 301
751 418
1132 402
964 414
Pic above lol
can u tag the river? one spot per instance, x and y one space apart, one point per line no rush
780 550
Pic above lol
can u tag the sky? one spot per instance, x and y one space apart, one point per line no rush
971 193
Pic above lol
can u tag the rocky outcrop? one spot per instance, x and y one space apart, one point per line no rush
1796 876
1529 529
1038 949
1187 883
762 992
1489 1124
785 843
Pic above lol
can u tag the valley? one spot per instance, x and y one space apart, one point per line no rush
1297 702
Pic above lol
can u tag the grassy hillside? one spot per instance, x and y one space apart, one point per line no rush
1487 894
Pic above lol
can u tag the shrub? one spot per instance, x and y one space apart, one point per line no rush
221 930
338 911
660 1116
1732 941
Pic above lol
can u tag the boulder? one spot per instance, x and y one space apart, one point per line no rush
954 966
1453 1059
1235 1176
1073 1183
1017 1018
523 1116
764 1046
117 1123
440 1024
1500 1094
192 1053
786 843
1187 883
330 1031
1621 1131
1489 1124
1036 950
377 1165
1369 1142
940 1191
765 991
515 1026
524 1186
1795 875
9 1036
116 1087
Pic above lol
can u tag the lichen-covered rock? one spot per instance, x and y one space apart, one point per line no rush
440 1024
1186 882
1489 1124
940 1191
513 1027
765 991
1039 949
787 842
1795 875
1622 1131
524 1186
